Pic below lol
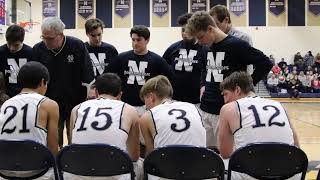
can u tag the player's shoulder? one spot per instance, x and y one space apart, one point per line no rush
228 108
49 104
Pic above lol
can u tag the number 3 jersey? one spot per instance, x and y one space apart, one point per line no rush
100 121
178 123
19 118
262 120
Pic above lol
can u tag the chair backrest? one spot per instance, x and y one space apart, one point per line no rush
184 162
25 155
269 161
100 160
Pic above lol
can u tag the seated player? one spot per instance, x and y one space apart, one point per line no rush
30 115
106 120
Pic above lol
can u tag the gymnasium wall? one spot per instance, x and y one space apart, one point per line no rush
282 35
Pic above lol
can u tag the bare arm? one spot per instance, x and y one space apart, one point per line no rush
52 124
132 119
225 136
72 121
146 130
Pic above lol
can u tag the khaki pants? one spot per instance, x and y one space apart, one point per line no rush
210 123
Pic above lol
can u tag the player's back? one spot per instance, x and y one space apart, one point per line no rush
100 121
262 120
178 123
19 118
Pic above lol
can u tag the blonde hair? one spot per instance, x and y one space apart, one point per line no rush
199 21
160 85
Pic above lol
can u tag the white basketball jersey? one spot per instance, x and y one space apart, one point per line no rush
99 121
19 118
178 123
262 120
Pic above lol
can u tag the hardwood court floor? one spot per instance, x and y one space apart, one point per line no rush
305 117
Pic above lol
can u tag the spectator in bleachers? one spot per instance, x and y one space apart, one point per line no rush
298 61
282 83
302 78
291 75
308 59
307 82
293 87
315 83
317 61
282 64
276 70
272 59
315 70
272 84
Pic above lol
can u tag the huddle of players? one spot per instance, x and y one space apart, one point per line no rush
207 66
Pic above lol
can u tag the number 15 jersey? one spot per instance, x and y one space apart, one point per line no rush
100 121
19 118
178 123
262 120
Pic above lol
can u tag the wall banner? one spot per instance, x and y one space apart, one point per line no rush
277 7
160 7
122 7
237 7
198 5
49 8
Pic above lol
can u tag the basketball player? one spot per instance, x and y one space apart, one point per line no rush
106 119
135 67
185 58
227 54
69 65
30 115
100 52
14 54
168 122
247 118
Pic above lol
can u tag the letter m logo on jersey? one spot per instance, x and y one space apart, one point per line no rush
14 68
185 60
214 67
136 73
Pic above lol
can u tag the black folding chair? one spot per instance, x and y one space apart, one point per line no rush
99 160
269 161
17 157
184 162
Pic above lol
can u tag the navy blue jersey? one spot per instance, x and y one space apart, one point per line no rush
101 56
68 69
134 70
10 64
186 59
224 58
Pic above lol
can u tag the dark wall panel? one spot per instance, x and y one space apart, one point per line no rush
257 12
296 13
104 11
216 2
141 15
67 13
178 7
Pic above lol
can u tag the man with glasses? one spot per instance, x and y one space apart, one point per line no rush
100 52
14 54
69 65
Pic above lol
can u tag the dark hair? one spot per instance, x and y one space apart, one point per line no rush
221 12
31 74
141 31
108 83
15 33
93 24
238 78
183 19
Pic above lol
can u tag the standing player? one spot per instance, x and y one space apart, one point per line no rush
168 122
30 115
14 54
69 65
185 58
135 67
106 119
100 52
227 54
247 118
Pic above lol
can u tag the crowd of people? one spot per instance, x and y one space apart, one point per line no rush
137 96
303 76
